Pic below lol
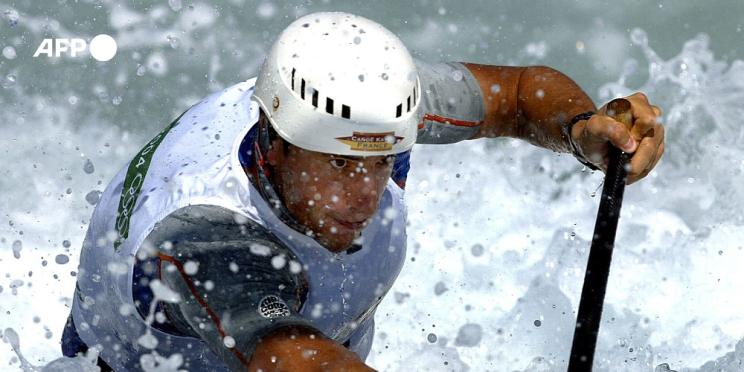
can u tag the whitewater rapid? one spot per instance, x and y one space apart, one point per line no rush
498 237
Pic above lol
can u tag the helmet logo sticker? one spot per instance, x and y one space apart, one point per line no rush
360 141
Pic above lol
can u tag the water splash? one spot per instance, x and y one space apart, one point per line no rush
667 266
81 363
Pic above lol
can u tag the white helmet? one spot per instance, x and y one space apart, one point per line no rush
341 84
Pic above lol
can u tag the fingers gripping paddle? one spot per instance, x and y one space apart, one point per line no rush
600 254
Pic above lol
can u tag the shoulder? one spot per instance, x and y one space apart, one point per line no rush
452 103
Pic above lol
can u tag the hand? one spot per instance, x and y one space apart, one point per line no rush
644 141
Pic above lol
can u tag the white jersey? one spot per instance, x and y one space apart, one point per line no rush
195 162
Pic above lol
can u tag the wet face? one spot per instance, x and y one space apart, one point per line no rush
333 196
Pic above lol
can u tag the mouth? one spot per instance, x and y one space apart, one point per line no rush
351 225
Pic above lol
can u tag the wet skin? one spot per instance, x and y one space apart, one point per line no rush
333 196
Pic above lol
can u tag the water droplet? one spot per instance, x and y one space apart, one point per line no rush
9 81
639 36
191 267
266 10
66 243
17 247
537 323
580 46
61 259
495 89
88 167
432 338
469 335
477 250
456 75
229 342
278 262
12 17
357 40
173 41
9 52
148 340
390 213
175 5
141 70
384 76
93 197
116 100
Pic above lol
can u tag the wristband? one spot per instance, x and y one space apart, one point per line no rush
577 153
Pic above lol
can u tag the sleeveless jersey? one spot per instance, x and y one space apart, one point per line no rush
195 161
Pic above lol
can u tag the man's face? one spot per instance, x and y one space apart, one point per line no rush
334 196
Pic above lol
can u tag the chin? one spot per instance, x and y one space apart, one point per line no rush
338 244
338 247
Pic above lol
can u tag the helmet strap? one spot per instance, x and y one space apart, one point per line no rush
262 146
264 185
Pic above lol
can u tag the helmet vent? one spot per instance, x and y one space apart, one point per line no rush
293 74
409 104
329 105
315 97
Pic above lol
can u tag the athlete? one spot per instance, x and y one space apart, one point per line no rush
261 229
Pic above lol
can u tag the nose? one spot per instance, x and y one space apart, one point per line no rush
365 195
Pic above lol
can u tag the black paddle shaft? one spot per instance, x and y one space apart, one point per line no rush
600 254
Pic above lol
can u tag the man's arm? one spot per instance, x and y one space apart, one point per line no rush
466 101
529 103
532 103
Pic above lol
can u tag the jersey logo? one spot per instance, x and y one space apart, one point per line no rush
133 183
272 307
371 141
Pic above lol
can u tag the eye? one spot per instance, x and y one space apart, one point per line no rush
338 163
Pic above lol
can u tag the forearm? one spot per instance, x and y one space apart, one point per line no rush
529 103
295 349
